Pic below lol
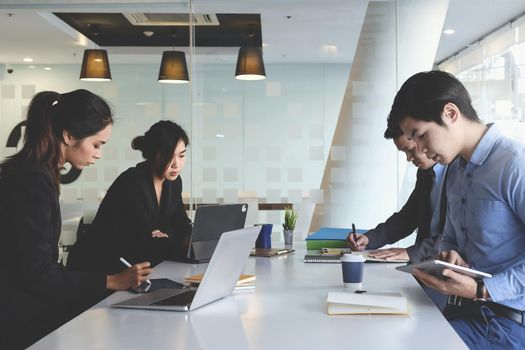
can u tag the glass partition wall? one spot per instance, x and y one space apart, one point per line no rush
309 135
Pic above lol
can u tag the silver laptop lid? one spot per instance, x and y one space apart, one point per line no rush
225 265
218 281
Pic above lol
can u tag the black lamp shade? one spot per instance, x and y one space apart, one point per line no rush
95 66
173 68
250 65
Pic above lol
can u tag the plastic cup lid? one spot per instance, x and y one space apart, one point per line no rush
352 258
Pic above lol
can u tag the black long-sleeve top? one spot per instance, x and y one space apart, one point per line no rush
38 293
415 214
125 220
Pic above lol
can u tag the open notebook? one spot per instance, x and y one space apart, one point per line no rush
347 303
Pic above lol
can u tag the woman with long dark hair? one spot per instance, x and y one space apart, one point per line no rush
38 293
142 216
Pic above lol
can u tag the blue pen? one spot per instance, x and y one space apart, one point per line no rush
353 231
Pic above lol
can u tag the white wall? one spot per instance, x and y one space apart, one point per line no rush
366 179
277 132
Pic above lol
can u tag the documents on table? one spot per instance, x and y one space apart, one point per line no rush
346 303
246 281
269 252
332 255
366 254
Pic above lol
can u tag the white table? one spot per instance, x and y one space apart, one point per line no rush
287 310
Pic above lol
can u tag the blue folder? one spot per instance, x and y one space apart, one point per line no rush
332 233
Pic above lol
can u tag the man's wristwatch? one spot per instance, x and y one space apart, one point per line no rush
480 285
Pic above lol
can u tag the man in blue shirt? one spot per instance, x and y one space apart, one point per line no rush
421 211
485 223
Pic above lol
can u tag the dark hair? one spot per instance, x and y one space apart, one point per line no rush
393 133
158 144
80 112
424 95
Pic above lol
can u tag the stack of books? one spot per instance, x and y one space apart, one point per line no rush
245 281
329 237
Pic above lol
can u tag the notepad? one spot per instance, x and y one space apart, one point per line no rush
316 258
245 281
346 303
331 256
365 253
368 258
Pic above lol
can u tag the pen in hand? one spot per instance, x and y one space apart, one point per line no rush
353 238
125 262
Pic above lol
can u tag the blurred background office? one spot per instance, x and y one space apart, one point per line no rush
308 133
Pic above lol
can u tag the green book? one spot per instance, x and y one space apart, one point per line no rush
325 243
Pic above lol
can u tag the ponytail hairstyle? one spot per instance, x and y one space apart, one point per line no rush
158 144
80 112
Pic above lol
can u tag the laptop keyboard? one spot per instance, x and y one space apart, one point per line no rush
181 299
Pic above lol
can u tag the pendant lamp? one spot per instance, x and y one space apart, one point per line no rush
95 66
173 68
250 65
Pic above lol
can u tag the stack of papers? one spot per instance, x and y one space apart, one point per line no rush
346 303
245 281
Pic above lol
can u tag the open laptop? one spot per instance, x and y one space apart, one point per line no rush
218 281
210 222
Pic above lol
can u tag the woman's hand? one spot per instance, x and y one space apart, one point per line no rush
158 234
131 277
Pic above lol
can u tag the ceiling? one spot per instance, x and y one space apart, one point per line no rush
489 15
115 29
294 31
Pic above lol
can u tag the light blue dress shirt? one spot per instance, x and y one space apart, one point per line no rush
486 214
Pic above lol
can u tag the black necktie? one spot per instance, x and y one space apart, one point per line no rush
443 204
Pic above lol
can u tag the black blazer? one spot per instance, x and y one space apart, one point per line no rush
39 294
415 214
124 222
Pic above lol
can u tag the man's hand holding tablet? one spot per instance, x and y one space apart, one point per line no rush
446 277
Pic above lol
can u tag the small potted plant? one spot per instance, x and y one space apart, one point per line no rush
290 219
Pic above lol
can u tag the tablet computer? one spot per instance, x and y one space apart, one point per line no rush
436 267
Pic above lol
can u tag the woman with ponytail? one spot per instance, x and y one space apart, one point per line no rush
142 216
38 293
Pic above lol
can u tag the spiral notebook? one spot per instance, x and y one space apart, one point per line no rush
328 259
334 258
